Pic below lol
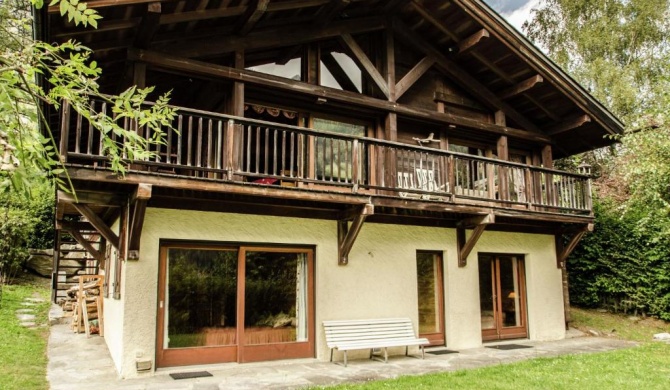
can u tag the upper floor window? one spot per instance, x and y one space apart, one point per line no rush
290 70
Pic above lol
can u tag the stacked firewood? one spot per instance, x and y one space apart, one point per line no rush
84 301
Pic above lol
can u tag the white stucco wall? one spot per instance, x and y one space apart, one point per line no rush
380 280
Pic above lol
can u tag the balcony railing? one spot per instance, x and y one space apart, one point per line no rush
232 149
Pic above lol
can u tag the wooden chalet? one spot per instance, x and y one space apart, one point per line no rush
331 159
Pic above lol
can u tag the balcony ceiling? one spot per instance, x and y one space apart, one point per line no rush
466 33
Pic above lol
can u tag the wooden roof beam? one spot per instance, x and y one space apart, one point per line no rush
104 4
202 14
253 14
462 77
568 125
346 236
362 59
275 37
465 246
329 11
521 87
149 25
193 67
295 4
473 40
95 198
413 76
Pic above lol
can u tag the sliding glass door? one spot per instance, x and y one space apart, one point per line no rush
223 304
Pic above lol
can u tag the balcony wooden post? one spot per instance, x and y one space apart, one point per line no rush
64 130
503 154
548 162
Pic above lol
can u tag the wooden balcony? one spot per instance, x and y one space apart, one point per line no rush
217 148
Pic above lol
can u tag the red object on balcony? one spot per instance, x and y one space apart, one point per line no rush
266 180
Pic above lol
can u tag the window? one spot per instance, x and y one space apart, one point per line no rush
334 156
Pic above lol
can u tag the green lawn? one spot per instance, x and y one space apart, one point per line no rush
643 367
23 358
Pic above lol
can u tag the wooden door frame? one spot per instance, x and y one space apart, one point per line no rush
239 352
499 332
437 338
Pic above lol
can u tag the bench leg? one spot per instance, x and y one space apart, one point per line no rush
345 358
406 350
423 352
331 355
386 355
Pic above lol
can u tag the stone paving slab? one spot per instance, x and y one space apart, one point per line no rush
76 362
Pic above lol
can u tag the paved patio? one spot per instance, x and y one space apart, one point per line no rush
76 362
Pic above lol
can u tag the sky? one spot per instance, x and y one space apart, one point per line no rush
515 11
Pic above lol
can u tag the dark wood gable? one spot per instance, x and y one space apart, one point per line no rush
457 55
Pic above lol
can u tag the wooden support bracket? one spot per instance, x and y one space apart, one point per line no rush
346 236
470 42
521 87
464 246
574 236
138 206
98 224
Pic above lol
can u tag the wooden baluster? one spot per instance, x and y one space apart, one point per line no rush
274 154
247 166
258 149
267 150
219 146
77 139
210 145
199 146
291 154
229 149
89 146
64 130
189 141
283 153
180 136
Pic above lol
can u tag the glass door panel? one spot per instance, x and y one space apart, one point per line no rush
511 295
431 299
487 297
275 298
197 313
202 297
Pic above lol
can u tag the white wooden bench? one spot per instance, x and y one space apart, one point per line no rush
371 334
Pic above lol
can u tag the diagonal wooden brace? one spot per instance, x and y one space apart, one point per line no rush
347 236
98 224
574 236
464 246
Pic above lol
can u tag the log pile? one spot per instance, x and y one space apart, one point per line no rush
84 302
